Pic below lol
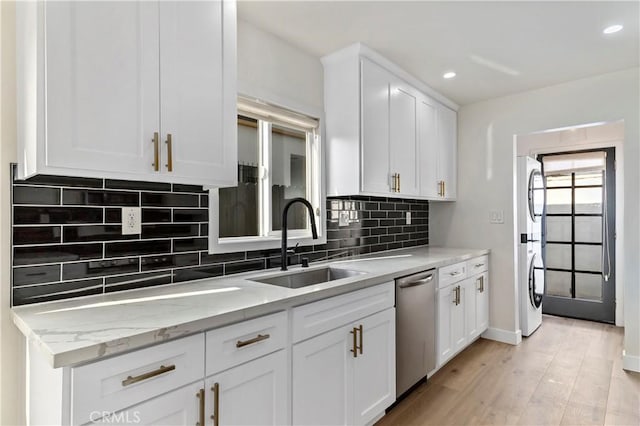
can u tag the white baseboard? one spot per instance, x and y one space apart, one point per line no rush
504 336
630 362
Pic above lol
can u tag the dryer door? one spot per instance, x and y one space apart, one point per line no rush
536 280
536 195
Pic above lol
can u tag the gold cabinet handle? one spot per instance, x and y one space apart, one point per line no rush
216 404
258 338
156 152
361 330
355 342
444 188
135 379
200 396
169 143
394 182
398 182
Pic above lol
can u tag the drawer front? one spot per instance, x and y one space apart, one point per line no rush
451 274
242 342
125 380
316 318
477 265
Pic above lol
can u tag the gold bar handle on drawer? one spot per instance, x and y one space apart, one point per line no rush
216 404
398 182
361 330
355 342
258 338
156 152
135 379
394 182
200 396
169 142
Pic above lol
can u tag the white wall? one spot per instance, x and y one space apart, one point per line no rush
270 68
486 152
12 380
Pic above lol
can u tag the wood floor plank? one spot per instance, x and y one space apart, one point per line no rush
569 372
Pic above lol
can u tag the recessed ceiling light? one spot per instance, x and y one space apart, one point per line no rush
449 75
612 29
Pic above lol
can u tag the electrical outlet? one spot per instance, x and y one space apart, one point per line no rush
408 221
343 218
131 218
496 216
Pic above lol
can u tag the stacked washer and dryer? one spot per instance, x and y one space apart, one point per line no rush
531 200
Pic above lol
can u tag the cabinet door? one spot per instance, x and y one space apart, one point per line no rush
254 393
374 369
102 87
375 128
447 150
322 392
482 303
403 137
428 147
471 289
193 84
179 407
458 319
446 299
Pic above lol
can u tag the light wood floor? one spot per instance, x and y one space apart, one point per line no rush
569 372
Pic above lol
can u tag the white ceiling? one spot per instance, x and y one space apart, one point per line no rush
496 48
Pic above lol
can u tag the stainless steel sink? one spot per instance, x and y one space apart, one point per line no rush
308 277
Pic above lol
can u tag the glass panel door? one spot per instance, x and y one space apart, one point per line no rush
578 240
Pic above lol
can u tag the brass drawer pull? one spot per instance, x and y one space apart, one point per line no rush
216 404
200 396
258 338
361 330
398 182
163 369
156 152
482 284
169 164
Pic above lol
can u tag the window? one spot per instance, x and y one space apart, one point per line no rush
279 158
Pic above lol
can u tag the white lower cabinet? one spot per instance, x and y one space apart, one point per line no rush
179 407
463 306
254 393
347 375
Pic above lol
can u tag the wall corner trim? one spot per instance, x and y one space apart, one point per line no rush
504 336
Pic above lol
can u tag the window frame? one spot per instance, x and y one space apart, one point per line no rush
269 238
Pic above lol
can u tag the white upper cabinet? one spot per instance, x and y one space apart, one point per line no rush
375 129
386 133
128 90
403 139
447 151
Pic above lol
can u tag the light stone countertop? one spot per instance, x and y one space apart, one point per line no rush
86 329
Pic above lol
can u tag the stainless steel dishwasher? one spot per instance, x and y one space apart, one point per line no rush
415 328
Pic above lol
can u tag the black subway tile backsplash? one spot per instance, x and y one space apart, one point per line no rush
99 268
74 234
56 253
92 197
162 199
36 235
36 195
36 274
68 240
132 248
56 215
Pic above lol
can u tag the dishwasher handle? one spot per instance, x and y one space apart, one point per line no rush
417 282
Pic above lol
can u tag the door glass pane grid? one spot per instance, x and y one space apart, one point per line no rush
574 235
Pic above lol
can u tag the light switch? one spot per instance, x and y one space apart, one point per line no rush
496 216
131 220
